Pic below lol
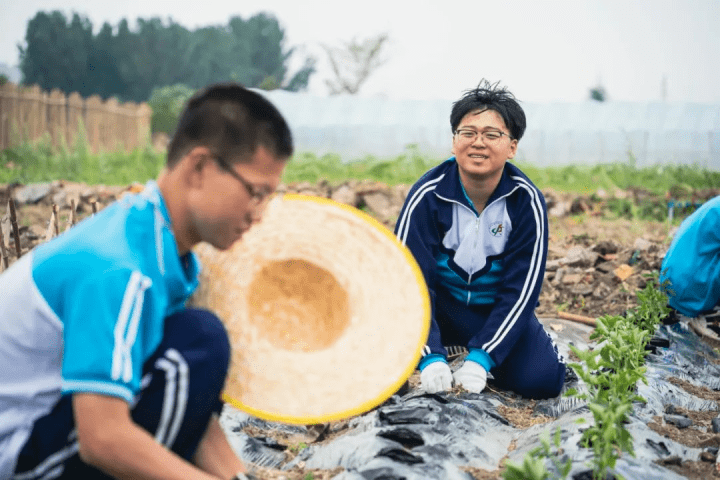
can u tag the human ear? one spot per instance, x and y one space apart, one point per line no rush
513 149
194 165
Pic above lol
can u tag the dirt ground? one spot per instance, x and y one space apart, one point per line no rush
595 266
699 435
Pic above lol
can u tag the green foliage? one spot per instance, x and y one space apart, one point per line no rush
3 79
298 447
167 104
130 64
611 372
533 465
57 52
39 162
658 180
405 168
598 94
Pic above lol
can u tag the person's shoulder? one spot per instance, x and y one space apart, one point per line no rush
433 176
519 178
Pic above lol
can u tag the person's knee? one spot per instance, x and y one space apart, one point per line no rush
201 336
532 382
547 384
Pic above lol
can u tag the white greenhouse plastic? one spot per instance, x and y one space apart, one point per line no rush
557 134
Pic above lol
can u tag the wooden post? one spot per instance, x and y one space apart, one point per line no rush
56 228
71 218
3 250
577 318
14 225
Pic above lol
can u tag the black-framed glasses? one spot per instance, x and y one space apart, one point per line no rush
490 136
258 194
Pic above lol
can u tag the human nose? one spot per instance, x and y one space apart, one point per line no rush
258 209
479 138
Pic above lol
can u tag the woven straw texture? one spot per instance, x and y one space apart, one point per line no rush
327 313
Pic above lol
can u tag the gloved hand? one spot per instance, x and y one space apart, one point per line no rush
472 376
436 377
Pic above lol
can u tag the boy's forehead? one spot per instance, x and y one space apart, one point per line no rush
490 115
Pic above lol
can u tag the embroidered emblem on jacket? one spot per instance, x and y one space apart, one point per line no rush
496 229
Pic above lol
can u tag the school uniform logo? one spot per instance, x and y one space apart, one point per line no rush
496 229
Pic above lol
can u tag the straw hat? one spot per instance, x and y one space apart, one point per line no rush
327 312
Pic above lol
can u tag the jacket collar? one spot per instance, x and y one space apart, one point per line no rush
450 187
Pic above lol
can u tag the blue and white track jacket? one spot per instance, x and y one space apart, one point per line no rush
484 271
83 312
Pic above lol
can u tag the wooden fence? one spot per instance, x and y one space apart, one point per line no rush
29 114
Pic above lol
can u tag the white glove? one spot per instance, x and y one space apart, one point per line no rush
436 377
472 376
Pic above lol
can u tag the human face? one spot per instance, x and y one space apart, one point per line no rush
232 197
480 159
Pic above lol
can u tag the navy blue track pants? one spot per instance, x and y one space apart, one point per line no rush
181 389
533 367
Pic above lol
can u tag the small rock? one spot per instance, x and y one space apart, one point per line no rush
715 424
642 244
581 289
560 209
679 421
606 247
623 272
379 204
33 193
606 267
572 278
579 256
552 265
345 194
707 457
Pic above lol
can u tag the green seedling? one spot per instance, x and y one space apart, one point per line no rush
611 372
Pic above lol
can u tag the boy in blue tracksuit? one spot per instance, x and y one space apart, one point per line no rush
104 372
478 228
691 267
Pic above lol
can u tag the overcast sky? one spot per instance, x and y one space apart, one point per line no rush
542 50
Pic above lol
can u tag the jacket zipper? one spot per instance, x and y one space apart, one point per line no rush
477 234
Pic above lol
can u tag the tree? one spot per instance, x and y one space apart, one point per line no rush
129 64
598 93
354 63
263 41
56 55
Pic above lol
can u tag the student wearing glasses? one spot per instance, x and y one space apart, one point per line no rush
104 371
478 228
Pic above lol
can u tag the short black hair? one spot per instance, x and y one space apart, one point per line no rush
232 122
488 96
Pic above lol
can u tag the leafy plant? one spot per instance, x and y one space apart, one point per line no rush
611 372
533 465
298 447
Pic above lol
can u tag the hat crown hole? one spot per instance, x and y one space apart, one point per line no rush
298 306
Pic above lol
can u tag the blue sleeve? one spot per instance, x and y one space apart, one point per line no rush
523 272
417 230
107 334
691 268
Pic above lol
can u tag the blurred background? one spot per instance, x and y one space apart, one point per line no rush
601 81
